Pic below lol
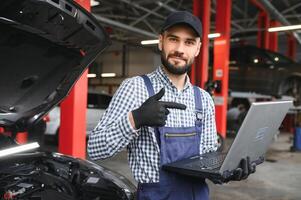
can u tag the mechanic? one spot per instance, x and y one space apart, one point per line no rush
148 114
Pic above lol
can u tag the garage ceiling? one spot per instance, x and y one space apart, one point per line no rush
134 20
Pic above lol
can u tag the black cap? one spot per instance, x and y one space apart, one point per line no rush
183 17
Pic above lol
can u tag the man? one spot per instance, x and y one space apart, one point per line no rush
160 117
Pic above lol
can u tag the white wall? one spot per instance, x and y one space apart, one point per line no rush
139 60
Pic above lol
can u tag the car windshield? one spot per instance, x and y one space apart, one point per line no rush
98 100
278 58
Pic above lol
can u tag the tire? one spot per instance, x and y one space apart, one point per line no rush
292 87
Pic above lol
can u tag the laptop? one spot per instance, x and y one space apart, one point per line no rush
253 139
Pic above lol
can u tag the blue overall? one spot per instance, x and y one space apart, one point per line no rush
176 144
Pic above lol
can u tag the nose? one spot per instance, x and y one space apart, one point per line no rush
180 48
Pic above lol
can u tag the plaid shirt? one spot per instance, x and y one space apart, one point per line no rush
114 131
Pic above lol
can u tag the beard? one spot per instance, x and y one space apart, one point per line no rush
172 68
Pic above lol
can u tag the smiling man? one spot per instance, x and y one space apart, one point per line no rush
161 117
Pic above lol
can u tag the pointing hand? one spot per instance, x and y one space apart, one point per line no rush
154 112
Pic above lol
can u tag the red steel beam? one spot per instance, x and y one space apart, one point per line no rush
72 133
291 46
263 34
259 5
192 74
263 25
273 38
201 8
221 61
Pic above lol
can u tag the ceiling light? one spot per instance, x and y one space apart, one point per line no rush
214 35
234 40
19 149
94 3
284 28
108 75
91 75
146 42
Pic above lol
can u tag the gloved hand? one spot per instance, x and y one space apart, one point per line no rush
244 169
154 112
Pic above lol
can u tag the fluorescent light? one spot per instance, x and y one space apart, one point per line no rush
91 75
284 28
146 42
108 75
94 3
214 35
19 149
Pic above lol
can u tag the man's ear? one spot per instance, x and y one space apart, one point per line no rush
160 42
198 49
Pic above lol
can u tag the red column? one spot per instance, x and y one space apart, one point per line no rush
192 74
273 43
201 8
263 34
72 136
221 61
258 5
291 46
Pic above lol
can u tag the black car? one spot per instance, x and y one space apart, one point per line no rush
252 69
45 46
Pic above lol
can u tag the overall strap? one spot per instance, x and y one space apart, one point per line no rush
148 85
151 92
198 105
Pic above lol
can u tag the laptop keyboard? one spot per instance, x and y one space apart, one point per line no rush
204 162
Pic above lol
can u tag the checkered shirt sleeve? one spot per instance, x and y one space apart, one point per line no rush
114 131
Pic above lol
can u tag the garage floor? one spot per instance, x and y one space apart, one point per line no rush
279 178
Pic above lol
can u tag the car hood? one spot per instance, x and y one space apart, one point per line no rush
45 46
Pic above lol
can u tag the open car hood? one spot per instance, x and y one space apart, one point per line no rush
45 46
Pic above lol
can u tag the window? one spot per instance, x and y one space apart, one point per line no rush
237 56
98 100
258 57
278 58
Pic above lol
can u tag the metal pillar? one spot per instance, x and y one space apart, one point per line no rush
291 46
263 24
263 34
273 43
201 8
221 61
72 136
275 14
192 73
125 26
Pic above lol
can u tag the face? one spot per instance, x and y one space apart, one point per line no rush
179 46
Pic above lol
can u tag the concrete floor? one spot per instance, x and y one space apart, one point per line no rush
279 178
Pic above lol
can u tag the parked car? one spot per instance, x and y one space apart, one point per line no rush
45 46
253 69
96 106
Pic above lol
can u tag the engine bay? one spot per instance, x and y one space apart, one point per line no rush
50 176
